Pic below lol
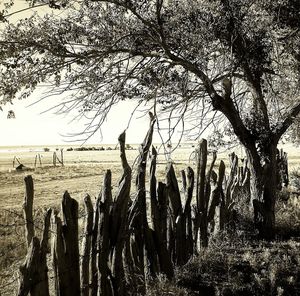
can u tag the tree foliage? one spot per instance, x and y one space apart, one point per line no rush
238 59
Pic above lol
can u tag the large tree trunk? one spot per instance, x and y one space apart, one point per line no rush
263 188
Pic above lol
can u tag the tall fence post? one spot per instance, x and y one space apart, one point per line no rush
119 227
105 286
200 192
66 249
62 156
27 208
34 271
54 158
86 247
138 215
158 202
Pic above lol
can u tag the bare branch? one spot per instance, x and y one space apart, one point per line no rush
290 118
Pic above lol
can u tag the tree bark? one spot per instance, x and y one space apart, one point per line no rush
263 189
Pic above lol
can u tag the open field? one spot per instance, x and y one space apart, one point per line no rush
83 173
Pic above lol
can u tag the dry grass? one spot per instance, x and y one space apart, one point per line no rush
241 268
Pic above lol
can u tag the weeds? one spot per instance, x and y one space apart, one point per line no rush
256 269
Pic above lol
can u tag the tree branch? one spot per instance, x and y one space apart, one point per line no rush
294 112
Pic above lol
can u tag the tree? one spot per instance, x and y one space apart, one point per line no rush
239 59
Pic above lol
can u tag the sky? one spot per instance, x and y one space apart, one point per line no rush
33 127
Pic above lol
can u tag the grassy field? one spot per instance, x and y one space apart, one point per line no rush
83 173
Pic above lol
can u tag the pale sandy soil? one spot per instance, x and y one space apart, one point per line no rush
83 173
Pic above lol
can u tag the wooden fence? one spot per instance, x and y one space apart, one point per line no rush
126 241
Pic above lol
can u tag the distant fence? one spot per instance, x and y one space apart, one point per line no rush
125 241
55 160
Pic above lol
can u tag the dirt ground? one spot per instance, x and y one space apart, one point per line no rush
82 173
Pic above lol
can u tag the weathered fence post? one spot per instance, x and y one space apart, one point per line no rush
86 246
34 271
54 158
217 196
230 193
58 258
27 208
138 215
104 281
14 161
200 194
43 286
29 270
176 209
40 159
187 215
94 249
158 202
66 249
119 219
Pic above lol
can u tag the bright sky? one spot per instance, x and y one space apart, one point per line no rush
30 127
